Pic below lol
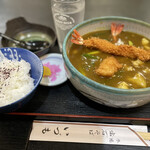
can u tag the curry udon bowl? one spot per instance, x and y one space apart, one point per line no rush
103 94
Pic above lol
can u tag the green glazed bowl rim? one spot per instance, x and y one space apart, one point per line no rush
91 83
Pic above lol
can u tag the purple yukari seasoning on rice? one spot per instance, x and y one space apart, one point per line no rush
15 80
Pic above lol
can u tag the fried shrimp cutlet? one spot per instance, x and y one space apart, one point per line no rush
108 47
108 67
119 50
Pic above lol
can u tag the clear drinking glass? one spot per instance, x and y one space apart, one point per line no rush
66 14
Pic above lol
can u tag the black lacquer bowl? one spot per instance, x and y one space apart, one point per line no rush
20 29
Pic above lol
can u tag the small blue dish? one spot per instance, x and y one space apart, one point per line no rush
36 73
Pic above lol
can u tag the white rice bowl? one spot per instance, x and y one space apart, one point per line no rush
15 80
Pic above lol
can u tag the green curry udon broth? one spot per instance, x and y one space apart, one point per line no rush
133 75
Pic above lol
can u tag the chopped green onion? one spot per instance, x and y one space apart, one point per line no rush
90 56
94 52
130 43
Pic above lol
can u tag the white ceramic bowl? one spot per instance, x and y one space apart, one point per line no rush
97 92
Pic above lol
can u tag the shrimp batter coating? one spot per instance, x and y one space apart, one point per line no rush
120 50
108 67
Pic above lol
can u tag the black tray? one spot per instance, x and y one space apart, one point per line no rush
64 102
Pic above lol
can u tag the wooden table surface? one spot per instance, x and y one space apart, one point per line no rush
72 106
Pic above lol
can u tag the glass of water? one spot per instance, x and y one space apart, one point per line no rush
66 14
